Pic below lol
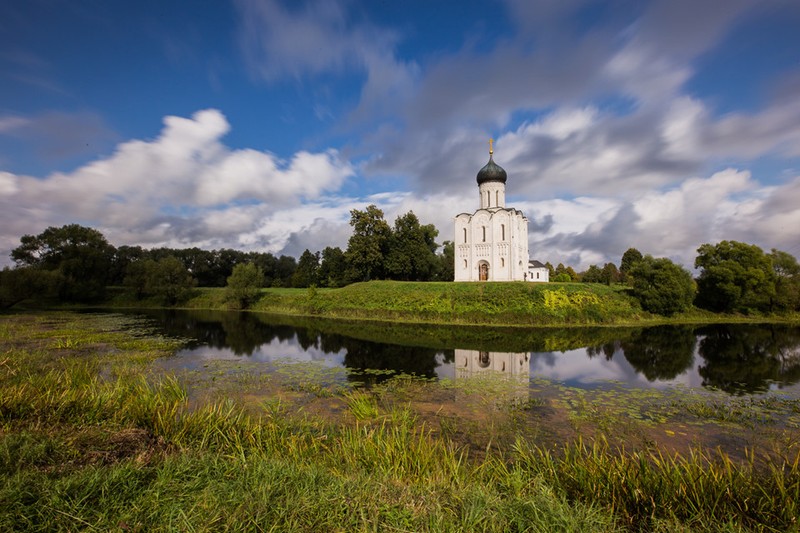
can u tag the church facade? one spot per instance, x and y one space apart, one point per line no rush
491 244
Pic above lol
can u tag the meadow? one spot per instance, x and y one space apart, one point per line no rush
94 436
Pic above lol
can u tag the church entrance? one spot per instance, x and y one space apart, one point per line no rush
483 272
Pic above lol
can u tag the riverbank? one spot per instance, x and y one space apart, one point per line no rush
486 304
93 437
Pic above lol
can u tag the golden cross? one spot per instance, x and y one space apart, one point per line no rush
490 146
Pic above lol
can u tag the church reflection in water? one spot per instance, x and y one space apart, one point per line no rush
470 363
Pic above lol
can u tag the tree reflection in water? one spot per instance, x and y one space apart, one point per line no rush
244 333
736 358
660 352
748 358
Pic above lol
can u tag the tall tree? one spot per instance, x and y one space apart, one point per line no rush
21 283
629 258
592 275
284 270
137 276
170 280
661 286
447 264
787 280
411 252
609 274
332 267
734 276
81 255
367 247
307 273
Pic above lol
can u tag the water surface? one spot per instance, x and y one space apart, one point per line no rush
735 358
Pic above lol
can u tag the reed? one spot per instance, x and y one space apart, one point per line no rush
89 442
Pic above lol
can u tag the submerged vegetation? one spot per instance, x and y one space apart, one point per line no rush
93 436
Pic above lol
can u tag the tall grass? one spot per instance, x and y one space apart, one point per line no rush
85 448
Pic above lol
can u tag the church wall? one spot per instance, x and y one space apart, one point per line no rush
492 194
504 248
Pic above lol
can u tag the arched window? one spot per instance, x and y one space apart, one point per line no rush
465 263
503 231
502 262
497 198
465 235
488 199
484 233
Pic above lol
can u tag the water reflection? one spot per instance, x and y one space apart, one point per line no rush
661 352
469 363
734 358
748 358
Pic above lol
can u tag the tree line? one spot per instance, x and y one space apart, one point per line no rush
734 277
76 264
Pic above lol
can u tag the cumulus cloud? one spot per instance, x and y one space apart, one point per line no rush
185 186
729 204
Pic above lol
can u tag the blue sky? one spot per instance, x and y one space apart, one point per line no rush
258 125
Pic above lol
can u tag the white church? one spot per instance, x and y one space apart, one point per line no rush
491 244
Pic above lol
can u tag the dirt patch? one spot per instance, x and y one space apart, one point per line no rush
105 448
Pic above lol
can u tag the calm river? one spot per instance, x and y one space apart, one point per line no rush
738 359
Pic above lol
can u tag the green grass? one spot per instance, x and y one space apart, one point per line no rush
517 304
90 440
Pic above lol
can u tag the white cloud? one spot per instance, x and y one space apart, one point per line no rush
183 188
729 204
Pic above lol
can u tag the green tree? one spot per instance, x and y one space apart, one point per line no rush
124 256
787 280
609 274
170 280
332 267
661 286
411 254
285 267
564 273
735 276
367 247
22 283
629 258
307 273
550 270
592 275
137 276
244 285
447 265
81 255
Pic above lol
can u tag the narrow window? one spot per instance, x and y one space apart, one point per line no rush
488 199
497 198
502 262
503 231
484 233
465 235
465 263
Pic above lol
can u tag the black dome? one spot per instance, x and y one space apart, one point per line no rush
491 172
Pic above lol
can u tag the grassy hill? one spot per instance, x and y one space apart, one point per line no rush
523 304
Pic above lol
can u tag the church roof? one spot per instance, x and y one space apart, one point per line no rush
491 171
